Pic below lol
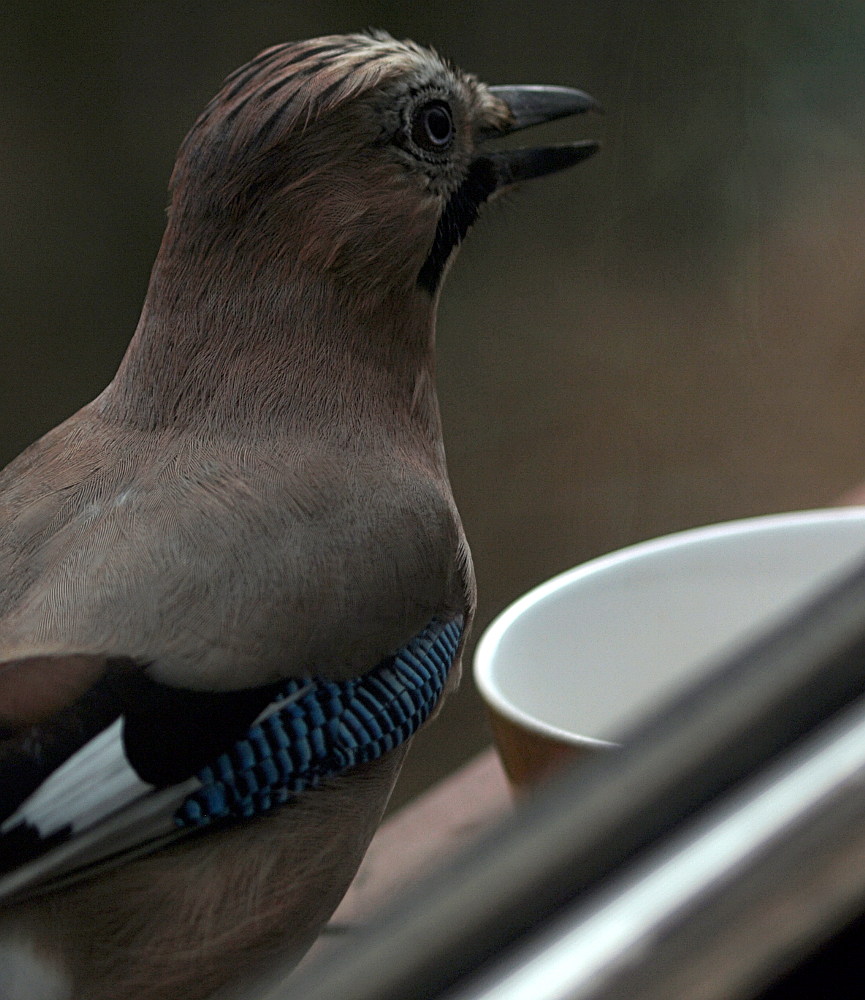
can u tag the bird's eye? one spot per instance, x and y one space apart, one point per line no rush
432 127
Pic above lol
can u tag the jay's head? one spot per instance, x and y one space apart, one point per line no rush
355 156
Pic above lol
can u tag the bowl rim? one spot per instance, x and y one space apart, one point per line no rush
492 637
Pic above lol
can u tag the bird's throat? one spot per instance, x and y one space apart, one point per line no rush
226 348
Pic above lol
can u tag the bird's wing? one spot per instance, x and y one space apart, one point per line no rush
205 570
130 763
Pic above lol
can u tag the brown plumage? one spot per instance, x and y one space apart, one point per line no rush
261 492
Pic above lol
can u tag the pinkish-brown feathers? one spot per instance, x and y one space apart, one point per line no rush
182 922
261 491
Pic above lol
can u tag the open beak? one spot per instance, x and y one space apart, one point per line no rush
495 170
532 105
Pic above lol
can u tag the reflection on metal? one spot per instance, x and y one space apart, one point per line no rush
715 913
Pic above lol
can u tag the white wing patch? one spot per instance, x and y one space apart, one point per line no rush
94 782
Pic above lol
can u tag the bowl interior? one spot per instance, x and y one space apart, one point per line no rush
584 655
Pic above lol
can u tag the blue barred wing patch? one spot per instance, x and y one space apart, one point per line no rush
321 728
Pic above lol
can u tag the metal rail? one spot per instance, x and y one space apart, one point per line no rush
725 904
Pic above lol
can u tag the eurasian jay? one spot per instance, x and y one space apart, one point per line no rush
235 584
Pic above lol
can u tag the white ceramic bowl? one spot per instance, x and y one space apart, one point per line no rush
583 656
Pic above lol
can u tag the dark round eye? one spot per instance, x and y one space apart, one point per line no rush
432 126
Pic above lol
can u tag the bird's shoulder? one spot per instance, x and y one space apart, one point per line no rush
213 555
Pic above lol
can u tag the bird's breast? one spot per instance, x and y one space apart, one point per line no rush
226 573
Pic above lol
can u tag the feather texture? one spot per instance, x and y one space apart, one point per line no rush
314 730
235 584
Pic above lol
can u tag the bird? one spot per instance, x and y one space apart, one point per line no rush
235 584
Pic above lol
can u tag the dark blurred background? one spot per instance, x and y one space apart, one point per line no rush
668 335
